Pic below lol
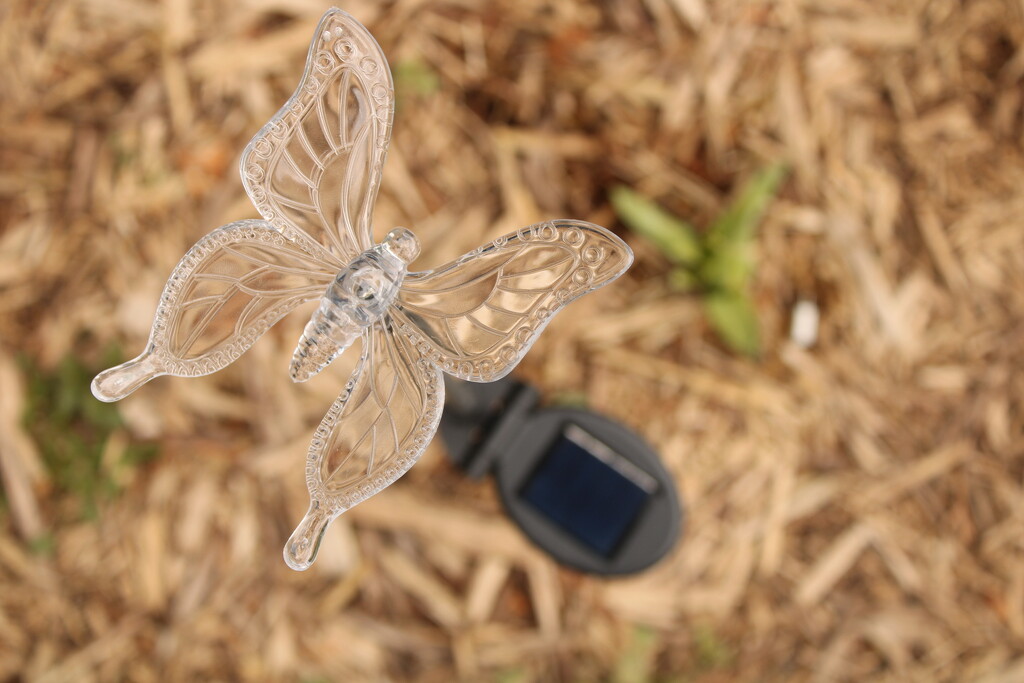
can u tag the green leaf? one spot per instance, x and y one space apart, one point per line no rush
674 237
737 223
682 280
636 663
512 676
43 544
71 429
728 267
730 240
570 399
712 652
733 317
414 77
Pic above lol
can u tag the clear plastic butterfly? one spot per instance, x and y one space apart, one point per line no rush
313 173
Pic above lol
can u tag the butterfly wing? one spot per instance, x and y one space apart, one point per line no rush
477 316
316 166
372 434
223 295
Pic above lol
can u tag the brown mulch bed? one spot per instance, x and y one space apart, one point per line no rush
856 507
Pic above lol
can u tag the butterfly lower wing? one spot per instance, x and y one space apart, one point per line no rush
316 166
372 434
222 296
477 316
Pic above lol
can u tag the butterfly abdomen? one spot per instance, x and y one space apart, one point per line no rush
326 336
359 296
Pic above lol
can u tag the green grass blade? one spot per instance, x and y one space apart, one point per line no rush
415 77
674 237
738 222
729 267
71 429
636 664
734 318
682 280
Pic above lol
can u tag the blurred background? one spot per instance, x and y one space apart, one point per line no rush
822 335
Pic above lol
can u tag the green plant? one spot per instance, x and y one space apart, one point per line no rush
717 264
72 430
414 77
636 663
710 650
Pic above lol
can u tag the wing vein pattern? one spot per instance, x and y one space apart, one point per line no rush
477 316
392 389
215 305
315 168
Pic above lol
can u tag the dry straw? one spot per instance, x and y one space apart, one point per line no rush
856 508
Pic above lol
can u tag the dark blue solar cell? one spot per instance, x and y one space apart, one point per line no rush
584 495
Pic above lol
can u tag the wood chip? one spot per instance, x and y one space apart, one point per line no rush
854 503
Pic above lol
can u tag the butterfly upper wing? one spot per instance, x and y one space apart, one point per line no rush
477 316
223 295
372 434
316 166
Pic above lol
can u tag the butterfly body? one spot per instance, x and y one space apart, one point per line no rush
359 296
313 173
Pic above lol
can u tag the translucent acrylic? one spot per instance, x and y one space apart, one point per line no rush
313 173
360 295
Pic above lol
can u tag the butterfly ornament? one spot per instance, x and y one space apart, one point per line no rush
313 173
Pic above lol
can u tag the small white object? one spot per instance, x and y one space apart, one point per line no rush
803 329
